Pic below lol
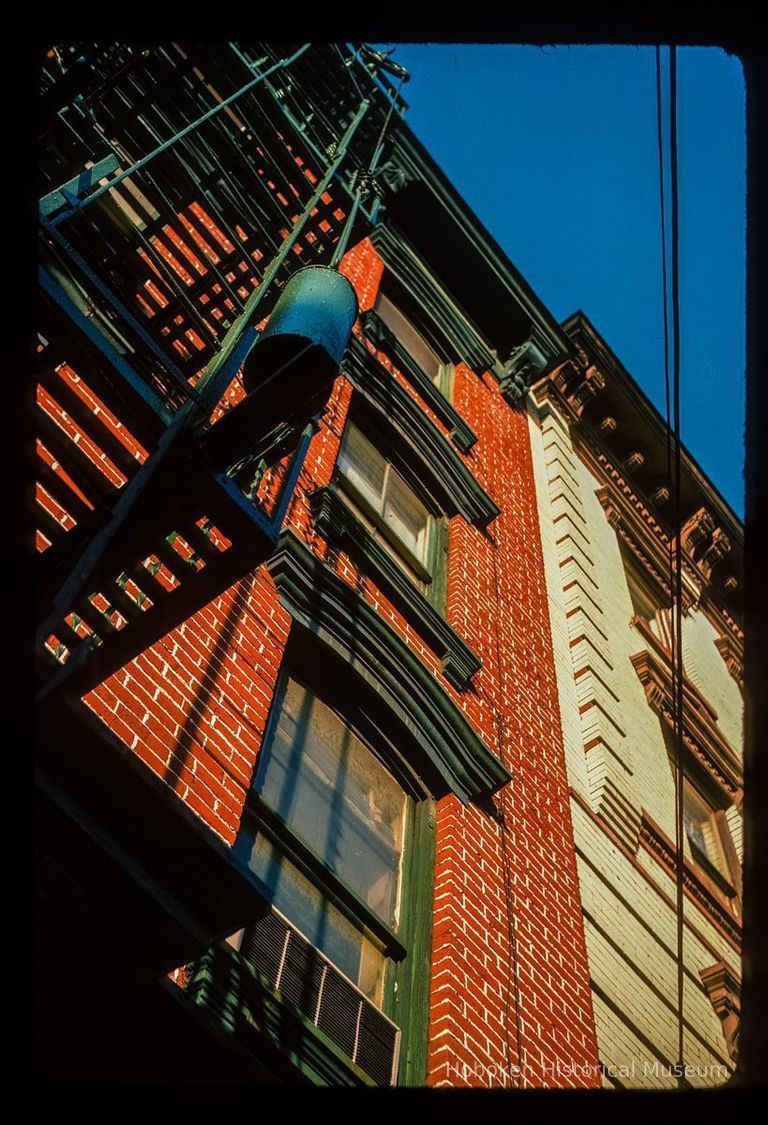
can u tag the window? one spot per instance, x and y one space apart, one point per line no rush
705 831
392 511
414 343
645 601
708 841
332 792
331 834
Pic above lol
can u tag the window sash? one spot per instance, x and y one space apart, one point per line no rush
330 788
312 912
411 339
376 481
702 830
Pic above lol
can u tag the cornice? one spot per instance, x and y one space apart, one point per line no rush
706 896
339 526
629 430
472 242
570 387
336 614
700 735
383 338
438 461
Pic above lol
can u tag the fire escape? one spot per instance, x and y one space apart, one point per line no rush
195 202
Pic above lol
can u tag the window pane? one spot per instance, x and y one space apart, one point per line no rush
321 923
337 796
413 342
407 517
363 465
701 830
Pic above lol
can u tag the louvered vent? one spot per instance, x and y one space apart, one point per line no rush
308 979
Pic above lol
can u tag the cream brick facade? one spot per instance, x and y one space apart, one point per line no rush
619 771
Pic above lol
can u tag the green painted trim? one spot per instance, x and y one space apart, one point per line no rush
432 456
338 524
436 594
407 991
445 746
437 398
243 1004
447 380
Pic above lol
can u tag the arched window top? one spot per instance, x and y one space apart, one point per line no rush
433 740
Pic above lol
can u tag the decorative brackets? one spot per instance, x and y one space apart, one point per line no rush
723 990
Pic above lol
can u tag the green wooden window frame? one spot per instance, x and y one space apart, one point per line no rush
406 948
340 527
404 320
393 411
430 574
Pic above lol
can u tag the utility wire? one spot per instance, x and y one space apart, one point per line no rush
673 476
678 608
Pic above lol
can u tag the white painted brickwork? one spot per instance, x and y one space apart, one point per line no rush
630 924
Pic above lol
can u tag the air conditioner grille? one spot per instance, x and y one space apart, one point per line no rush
322 993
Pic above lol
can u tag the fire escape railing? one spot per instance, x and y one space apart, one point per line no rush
205 177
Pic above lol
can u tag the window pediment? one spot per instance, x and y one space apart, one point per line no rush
434 458
442 743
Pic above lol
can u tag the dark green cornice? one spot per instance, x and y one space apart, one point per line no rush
461 252
436 459
338 524
442 742
433 302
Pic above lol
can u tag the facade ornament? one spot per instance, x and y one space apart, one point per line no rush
731 653
718 548
607 426
521 369
722 987
730 584
695 530
612 514
393 176
578 382
592 382
660 496
565 374
634 462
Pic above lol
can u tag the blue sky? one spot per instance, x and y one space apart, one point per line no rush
555 150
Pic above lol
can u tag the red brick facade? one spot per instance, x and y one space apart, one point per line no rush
510 997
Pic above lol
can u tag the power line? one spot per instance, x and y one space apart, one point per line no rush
678 599
674 470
